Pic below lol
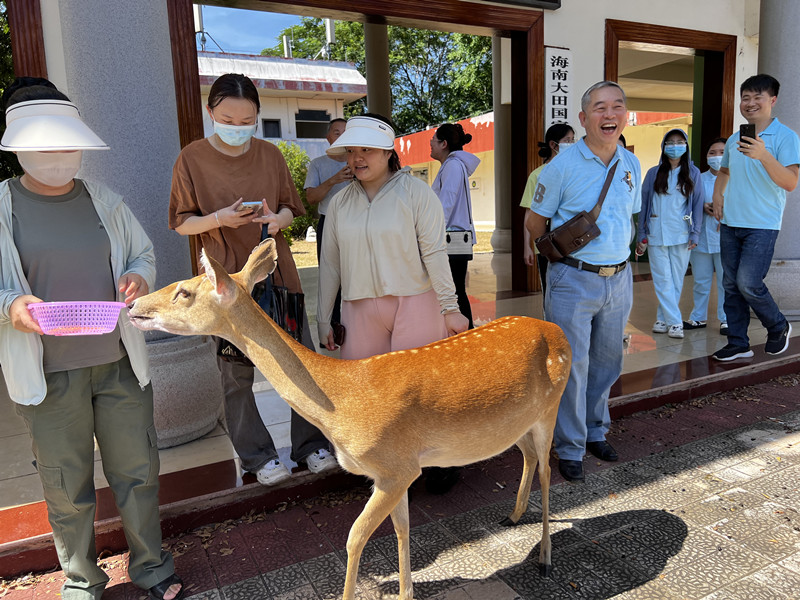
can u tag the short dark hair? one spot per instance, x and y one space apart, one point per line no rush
24 89
554 133
719 140
454 135
622 139
233 85
394 159
337 120
761 83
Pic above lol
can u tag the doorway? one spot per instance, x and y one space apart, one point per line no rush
683 76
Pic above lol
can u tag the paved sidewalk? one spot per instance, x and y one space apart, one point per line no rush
704 504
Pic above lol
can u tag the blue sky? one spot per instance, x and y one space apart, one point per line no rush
243 31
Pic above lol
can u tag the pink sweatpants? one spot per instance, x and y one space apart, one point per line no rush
381 325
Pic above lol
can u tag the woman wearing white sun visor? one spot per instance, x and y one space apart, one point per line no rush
65 239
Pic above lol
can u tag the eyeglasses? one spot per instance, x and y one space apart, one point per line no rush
672 144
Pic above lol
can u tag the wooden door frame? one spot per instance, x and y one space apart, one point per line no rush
629 31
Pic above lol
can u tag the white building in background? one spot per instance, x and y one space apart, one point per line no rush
298 96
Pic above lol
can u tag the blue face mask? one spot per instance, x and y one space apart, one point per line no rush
675 151
715 162
234 135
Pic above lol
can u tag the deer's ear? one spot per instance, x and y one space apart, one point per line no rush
222 282
260 264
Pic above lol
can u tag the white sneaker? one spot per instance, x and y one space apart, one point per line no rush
272 473
659 327
321 460
675 331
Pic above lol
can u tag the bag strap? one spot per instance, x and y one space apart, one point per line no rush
597 207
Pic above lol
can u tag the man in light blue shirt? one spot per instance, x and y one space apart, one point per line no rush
590 292
749 198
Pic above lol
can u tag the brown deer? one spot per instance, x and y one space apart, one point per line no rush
453 402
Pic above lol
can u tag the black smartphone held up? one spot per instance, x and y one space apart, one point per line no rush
747 130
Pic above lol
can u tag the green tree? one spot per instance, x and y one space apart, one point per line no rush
298 160
435 77
9 167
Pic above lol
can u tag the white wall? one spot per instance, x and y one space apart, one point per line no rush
580 26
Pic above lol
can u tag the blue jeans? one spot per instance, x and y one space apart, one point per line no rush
703 267
746 257
592 310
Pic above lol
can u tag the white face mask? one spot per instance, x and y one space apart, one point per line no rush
715 162
51 168
564 145
234 135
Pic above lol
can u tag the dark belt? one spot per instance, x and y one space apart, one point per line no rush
602 270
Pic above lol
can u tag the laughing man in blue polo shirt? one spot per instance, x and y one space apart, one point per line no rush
590 292
749 198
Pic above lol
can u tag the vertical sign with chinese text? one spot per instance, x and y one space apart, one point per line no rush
558 87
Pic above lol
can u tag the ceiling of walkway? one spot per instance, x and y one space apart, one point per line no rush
656 78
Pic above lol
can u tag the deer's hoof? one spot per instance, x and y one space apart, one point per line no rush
507 522
545 570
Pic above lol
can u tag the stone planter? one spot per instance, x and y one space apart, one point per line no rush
187 392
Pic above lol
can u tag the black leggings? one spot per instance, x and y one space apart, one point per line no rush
458 267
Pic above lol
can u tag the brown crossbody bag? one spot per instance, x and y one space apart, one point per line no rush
577 232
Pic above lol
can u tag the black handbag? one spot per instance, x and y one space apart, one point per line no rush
286 308
577 232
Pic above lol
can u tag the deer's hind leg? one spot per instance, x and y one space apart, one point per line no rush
528 447
386 495
401 523
539 439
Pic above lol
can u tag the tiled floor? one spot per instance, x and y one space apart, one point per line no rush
652 360
703 505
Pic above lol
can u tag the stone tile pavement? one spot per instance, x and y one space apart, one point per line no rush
704 504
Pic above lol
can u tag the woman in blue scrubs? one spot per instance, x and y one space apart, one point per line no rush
669 226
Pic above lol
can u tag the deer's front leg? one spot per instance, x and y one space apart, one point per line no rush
385 496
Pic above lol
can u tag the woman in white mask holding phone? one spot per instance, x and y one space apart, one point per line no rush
68 240
669 226
211 180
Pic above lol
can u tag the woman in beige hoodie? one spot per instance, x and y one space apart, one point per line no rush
384 243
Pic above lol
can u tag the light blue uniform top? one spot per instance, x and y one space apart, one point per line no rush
667 225
321 169
572 182
709 234
752 199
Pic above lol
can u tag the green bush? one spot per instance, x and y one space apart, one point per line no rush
298 160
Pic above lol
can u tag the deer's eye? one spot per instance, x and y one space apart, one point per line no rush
180 293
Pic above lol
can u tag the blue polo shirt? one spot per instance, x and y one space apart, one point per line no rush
572 182
752 199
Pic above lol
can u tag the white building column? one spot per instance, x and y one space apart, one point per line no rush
113 59
778 56
501 54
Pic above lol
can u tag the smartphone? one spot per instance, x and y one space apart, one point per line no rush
253 206
747 130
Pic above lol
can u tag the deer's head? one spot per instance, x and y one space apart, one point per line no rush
200 306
